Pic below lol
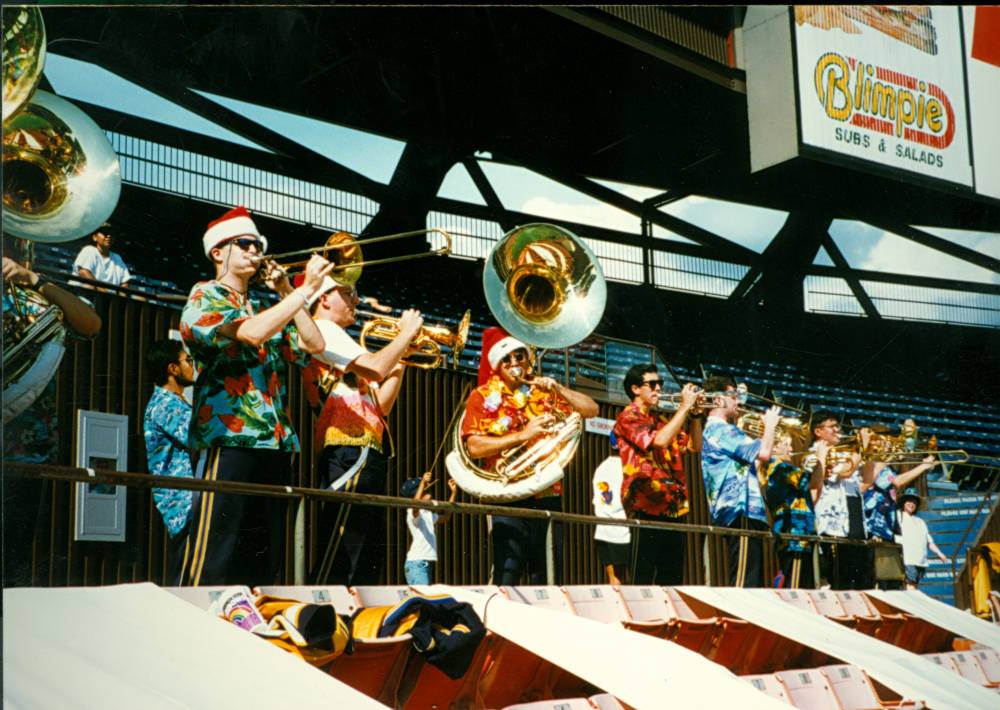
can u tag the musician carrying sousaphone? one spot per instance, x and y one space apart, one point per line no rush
509 408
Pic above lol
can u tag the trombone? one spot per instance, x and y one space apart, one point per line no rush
344 250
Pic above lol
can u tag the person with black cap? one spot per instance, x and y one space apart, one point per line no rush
915 538
422 556
97 262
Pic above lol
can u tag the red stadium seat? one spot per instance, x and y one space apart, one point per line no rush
647 610
808 689
866 619
855 691
733 639
797 597
913 633
201 597
382 596
560 704
770 684
827 604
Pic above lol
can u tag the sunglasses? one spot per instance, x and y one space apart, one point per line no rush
245 243
514 358
653 384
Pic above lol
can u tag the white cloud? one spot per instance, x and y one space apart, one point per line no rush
599 215
752 227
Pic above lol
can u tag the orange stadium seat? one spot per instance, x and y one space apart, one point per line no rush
866 619
970 668
913 634
600 603
855 690
808 690
797 597
732 640
770 684
647 610
606 701
381 596
827 604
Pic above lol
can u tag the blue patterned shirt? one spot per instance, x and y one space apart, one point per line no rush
791 504
729 467
880 505
166 430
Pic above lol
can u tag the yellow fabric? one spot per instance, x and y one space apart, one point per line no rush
988 558
285 630
368 621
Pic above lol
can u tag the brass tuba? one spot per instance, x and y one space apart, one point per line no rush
546 288
61 181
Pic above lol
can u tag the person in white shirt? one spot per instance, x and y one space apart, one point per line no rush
614 549
916 539
422 556
96 261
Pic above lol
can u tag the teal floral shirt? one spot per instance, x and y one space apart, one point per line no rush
240 396
165 428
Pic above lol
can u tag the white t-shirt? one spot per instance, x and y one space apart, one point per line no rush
110 269
421 527
608 501
341 349
915 539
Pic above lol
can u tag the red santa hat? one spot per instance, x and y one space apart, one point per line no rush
234 223
328 284
497 344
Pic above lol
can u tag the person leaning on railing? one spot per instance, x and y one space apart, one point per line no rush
240 427
96 261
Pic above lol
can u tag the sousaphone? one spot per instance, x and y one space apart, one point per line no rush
546 288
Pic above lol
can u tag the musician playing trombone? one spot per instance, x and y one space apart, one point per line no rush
509 408
351 391
729 462
654 486
240 428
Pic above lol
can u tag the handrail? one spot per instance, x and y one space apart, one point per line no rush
145 480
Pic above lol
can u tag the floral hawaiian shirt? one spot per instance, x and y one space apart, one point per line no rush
832 516
240 397
166 431
729 467
494 410
653 477
790 503
880 505
343 402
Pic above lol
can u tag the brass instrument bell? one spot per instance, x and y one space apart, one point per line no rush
427 343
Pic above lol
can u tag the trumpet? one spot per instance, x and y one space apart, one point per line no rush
344 250
426 346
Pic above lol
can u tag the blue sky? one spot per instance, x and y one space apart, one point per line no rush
375 156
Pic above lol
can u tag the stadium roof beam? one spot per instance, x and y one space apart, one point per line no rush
775 281
656 45
723 248
844 271
210 110
501 215
943 245
909 280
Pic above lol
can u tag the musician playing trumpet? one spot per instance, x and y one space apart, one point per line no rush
510 407
654 485
351 391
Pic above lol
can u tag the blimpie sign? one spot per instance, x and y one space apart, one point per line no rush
884 84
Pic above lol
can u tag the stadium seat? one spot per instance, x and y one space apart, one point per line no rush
733 640
770 684
797 597
827 604
866 619
989 660
381 596
970 668
560 704
201 597
808 689
647 609
600 603
605 701
912 633
343 601
855 691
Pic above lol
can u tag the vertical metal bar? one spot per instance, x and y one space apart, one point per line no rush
299 551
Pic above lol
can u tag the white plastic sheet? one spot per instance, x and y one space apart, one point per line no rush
642 671
910 675
138 646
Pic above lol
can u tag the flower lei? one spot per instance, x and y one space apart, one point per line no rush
491 403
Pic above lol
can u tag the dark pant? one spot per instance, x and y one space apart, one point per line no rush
354 534
746 554
658 555
519 544
22 516
853 564
236 539
797 569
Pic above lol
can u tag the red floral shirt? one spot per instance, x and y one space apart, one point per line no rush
653 477
494 410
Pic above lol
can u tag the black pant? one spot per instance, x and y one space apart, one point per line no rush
355 533
658 555
236 539
797 569
519 544
22 514
853 566
746 554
